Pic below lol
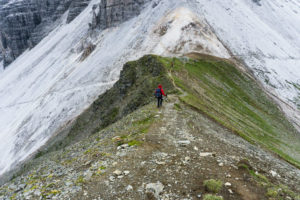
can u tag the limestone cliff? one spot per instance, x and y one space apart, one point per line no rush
23 24
109 13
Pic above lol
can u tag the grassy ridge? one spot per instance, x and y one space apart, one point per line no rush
232 98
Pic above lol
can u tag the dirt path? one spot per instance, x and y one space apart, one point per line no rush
181 151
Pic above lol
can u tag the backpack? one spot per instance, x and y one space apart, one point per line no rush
158 93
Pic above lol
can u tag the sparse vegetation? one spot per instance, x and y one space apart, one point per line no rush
232 98
80 180
177 106
259 177
134 143
212 197
272 192
213 186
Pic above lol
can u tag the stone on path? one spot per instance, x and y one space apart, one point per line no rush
117 172
184 143
155 188
205 154
129 188
227 184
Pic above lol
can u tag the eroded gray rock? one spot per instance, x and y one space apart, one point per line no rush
109 13
23 24
155 188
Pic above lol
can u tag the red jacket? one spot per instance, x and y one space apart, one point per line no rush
161 89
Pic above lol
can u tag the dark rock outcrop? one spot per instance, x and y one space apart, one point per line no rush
109 13
25 23
134 89
76 8
1 58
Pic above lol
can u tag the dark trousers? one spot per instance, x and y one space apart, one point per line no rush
159 101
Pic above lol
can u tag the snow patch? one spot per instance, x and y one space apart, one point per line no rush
182 31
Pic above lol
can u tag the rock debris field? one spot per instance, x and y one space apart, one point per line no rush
153 153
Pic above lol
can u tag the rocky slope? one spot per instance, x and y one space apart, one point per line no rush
164 153
25 23
110 13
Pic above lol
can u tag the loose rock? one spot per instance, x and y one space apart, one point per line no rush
129 188
205 154
184 143
155 188
117 172
227 184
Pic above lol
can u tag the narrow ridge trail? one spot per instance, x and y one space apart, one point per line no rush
169 160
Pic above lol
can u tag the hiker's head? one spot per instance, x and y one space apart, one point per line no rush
159 86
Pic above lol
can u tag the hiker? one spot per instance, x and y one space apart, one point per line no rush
159 92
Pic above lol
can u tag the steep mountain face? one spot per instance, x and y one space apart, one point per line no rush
25 23
109 13
76 8
46 87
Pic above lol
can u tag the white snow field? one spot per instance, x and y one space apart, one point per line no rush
48 86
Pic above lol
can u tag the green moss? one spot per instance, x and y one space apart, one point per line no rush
177 107
259 177
272 192
50 176
285 189
34 187
90 151
54 192
262 177
80 180
213 185
110 118
13 197
243 166
134 143
144 121
212 197
50 185
102 168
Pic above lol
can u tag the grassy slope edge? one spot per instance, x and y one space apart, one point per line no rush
232 98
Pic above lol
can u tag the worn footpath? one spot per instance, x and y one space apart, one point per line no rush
156 153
